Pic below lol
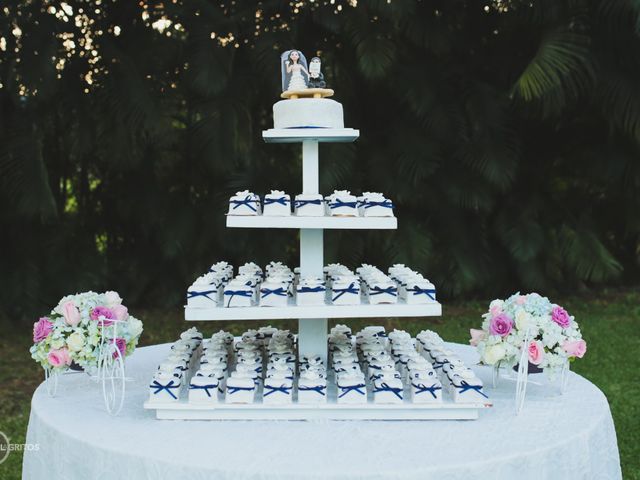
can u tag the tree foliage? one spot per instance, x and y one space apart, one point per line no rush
508 135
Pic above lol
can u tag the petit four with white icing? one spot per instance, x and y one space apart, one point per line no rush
372 204
277 204
244 203
205 291
388 388
203 389
345 290
238 293
341 204
274 293
310 291
309 205
425 386
351 387
241 388
312 387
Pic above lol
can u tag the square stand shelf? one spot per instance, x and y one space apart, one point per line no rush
312 321
363 310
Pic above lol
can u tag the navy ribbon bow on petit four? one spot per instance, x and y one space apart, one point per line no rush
168 387
248 200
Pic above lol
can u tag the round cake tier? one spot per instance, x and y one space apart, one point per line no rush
308 112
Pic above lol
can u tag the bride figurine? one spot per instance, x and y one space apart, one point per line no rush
293 66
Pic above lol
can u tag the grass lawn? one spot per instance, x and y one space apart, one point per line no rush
610 325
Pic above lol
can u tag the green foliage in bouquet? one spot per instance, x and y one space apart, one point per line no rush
507 134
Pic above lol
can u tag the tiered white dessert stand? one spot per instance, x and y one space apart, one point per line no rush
312 323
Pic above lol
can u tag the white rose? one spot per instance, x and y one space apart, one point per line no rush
112 298
493 354
497 303
523 320
75 342
135 327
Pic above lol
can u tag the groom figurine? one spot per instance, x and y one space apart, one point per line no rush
316 78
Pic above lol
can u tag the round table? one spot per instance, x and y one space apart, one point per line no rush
569 436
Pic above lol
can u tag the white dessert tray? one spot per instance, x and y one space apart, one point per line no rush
446 410
326 222
363 310
294 135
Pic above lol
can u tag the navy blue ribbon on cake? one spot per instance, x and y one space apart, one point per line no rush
464 387
382 203
201 294
429 292
318 389
282 389
166 388
247 202
233 390
280 292
339 204
319 288
437 364
204 387
385 387
352 388
239 293
420 388
379 291
341 291
304 203
284 201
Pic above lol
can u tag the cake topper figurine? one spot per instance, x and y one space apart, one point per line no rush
293 65
316 78
300 80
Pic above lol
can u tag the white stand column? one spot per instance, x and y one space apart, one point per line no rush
310 169
312 332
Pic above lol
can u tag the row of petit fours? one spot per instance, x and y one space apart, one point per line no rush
393 370
339 203
338 285
261 365
373 364
460 381
169 379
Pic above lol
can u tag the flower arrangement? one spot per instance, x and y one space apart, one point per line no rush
554 335
72 331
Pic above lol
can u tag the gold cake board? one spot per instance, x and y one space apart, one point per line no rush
307 93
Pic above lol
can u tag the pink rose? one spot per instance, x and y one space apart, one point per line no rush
536 353
576 348
121 345
121 312
501 325
104 315
561 317
41 329
476 336
58 358
71 313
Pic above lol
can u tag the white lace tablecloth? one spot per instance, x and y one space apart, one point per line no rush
571 436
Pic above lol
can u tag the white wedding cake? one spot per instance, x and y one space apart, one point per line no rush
308 112
303 86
